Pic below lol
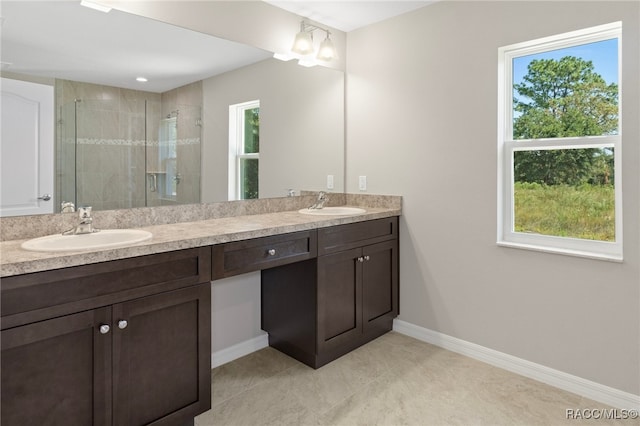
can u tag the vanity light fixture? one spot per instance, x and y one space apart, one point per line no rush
327 51
95 6
303 43
141 79
303 47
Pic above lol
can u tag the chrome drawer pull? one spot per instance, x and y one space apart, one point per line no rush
272 252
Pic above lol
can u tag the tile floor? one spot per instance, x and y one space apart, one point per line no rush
394 380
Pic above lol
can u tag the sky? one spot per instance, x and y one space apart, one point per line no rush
603 54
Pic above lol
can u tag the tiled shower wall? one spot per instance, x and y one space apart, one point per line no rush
187 101
104 162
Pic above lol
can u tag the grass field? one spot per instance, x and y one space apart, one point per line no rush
585 211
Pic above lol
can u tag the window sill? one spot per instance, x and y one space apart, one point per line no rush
566 252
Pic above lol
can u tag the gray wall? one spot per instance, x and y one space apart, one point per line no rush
421 123
301 127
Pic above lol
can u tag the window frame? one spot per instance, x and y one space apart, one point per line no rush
507 146
236 146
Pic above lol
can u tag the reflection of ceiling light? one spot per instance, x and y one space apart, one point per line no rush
96 6
141 79
307 62
284 56
303 47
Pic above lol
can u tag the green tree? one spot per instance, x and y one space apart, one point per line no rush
563 98
250 167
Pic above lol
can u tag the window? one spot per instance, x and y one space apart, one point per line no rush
244 150
559 144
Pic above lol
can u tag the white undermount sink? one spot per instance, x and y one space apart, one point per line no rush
106 238
334 211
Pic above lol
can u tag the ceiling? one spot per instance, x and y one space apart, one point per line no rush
62 39
58 39
348 15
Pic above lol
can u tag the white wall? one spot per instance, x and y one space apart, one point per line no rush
235 311
421 123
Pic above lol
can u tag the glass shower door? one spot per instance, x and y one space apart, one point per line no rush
173 155
66 167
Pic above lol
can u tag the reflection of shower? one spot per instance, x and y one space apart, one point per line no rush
131 163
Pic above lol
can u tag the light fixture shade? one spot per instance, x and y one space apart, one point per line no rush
327 51
303 44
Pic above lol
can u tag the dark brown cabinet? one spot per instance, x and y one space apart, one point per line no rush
143 359
159 350
320 309
357 294
57 371
262 253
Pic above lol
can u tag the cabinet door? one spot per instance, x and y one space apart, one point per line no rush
339 299
58 372
379 285
162 357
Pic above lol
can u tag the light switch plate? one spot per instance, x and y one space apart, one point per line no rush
362 183
329 181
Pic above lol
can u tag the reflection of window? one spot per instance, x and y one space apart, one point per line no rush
559 143
244 150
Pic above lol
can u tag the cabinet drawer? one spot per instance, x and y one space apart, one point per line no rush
34 297
346 237
262 253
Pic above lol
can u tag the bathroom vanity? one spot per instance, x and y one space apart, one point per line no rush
324 292
127 341
320 309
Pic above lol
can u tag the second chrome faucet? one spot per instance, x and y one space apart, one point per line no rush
85 225
322 198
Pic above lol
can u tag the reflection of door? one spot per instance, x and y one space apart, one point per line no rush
26 148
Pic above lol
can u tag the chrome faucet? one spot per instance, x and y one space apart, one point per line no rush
86 223
67 207
322 198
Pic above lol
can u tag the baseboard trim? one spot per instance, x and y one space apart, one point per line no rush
239 350
596 391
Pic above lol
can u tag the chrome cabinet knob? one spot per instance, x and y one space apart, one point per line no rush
361 259
272 252
122 324
367 258
45 197
104 329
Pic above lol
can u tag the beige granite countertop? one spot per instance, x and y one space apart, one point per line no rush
176 236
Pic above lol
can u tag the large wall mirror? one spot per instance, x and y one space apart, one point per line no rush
215 121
